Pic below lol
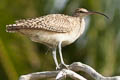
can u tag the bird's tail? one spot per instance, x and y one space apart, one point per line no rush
12 28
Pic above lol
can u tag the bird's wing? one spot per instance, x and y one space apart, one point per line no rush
53 22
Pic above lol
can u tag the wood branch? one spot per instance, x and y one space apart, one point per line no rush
78 66
52 74
59 75
65 72
39 75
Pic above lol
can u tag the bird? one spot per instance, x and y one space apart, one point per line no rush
54 30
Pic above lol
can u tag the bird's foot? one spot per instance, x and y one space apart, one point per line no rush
63 66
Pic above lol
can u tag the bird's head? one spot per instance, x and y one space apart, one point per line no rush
81 12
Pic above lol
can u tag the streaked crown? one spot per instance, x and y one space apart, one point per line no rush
81 10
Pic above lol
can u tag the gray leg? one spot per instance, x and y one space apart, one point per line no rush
62 65
60 52
54 57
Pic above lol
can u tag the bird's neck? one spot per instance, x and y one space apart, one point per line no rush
80 30
75 15
78 16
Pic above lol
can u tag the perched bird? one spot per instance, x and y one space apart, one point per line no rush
53 30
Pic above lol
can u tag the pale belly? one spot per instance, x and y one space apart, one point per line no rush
50 39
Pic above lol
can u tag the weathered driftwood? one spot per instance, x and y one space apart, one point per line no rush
70 72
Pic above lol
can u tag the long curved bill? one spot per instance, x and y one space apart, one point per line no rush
93 12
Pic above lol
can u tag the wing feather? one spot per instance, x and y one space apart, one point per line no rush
52 22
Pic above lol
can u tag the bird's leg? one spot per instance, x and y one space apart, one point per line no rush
54 57
61 57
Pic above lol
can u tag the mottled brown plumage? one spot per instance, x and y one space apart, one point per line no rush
52 22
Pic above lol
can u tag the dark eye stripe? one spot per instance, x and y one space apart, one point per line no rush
81 11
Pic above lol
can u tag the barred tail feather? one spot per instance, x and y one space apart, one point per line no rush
12 28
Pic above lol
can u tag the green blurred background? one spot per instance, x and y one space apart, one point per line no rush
99 47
